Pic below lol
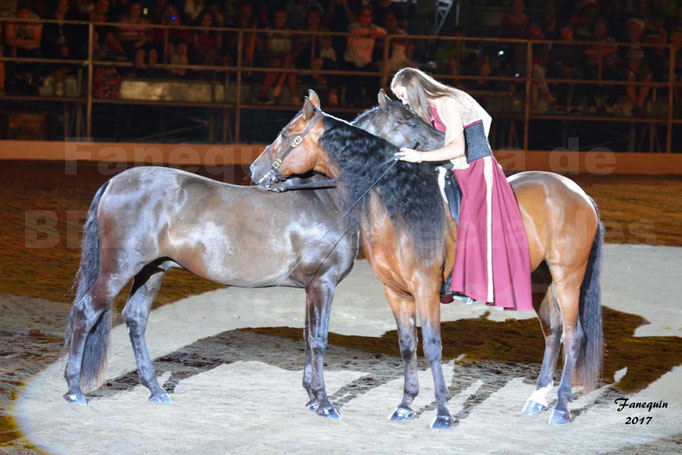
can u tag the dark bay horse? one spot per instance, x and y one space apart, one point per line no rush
147 220
410 243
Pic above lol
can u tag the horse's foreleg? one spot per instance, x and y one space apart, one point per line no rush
567 292
550 321
319 295
404 312
428 308
135 314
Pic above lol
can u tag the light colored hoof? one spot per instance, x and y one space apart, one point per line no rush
402 414
559 417
161 398
445 422
533 407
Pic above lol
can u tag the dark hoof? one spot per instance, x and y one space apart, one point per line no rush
445 422
402 413
161 398
559 417
312 405
328 412
533 407
76 398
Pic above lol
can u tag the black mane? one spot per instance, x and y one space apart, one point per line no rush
365 115
409 191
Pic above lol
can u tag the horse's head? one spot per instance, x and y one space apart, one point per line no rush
296 149
396 123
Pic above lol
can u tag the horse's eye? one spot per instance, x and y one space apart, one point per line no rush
414 125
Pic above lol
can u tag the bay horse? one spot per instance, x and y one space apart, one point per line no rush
147 220
410 243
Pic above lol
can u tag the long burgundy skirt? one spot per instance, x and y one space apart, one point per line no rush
492 261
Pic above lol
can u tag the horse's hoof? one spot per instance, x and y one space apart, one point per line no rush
161 398
533 407
559 417
443 422
312 405
76 398
328 412
402 413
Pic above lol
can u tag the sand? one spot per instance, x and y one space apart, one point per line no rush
239 391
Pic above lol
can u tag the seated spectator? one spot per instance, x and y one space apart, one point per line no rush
383 7
23 40
539 87
297 11
172 44
2 63
637 95
515 26
157 11
550 23
599 64
251 41
206 43
118 9
401 50
135 37
337 19
215 8
456 57
676 43
655 33
279 54
315 51
192 10
59 42
583 18
105 43
359 56
565 61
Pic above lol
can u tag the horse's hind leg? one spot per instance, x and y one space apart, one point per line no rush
135 314
550 321
319 295
567 293
89 337
404 312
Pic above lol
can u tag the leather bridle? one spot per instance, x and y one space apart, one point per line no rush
276 163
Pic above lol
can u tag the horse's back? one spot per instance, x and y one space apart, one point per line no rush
555 210
238 235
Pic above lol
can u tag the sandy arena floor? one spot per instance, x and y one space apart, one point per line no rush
239 391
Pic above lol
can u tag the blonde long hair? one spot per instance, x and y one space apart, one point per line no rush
419 87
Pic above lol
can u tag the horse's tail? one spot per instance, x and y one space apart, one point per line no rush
97 341
590 360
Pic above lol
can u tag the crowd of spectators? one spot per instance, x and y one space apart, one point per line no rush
600 24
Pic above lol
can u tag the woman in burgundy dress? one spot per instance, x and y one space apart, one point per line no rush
492 262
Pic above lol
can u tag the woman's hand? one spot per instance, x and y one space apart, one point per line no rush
410 155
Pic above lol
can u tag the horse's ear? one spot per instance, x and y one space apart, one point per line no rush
383 100
314 98
308 109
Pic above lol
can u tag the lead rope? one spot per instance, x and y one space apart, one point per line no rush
393 162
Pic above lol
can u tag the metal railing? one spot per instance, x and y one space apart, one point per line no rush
527 80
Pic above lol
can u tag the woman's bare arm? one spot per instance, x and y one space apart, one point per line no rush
455 149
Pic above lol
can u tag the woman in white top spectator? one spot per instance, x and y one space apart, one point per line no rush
359 56
278 48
